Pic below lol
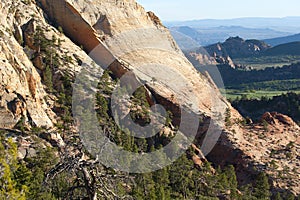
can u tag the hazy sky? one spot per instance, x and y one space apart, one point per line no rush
170 10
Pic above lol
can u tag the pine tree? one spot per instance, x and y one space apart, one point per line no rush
10 189
232 181
47 78
180 179
161 178
262 187
277 196
145 187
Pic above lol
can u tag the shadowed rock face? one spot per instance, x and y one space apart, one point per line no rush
66 16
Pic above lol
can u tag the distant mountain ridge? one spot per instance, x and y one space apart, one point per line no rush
209 35
292 48
236 48
286 24
283 40
188 32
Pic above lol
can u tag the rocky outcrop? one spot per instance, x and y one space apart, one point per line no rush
200 59
21 91
54 139
23 95
72 23
275 118
236 47
154 18
223 53
269 146
17 107
28 34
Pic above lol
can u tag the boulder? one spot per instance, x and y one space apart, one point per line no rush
276 118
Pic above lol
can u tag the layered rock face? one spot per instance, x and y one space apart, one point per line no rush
22 94
128 33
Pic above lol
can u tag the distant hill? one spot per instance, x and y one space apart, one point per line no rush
283 40
209 35
292 48
223 53
236 47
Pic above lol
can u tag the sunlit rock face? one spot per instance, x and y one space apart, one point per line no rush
129 33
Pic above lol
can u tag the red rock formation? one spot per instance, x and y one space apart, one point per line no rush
276 118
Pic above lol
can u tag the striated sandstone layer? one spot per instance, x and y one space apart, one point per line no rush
122 30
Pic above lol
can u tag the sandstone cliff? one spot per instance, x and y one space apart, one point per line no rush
22 94
123 36
129 33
